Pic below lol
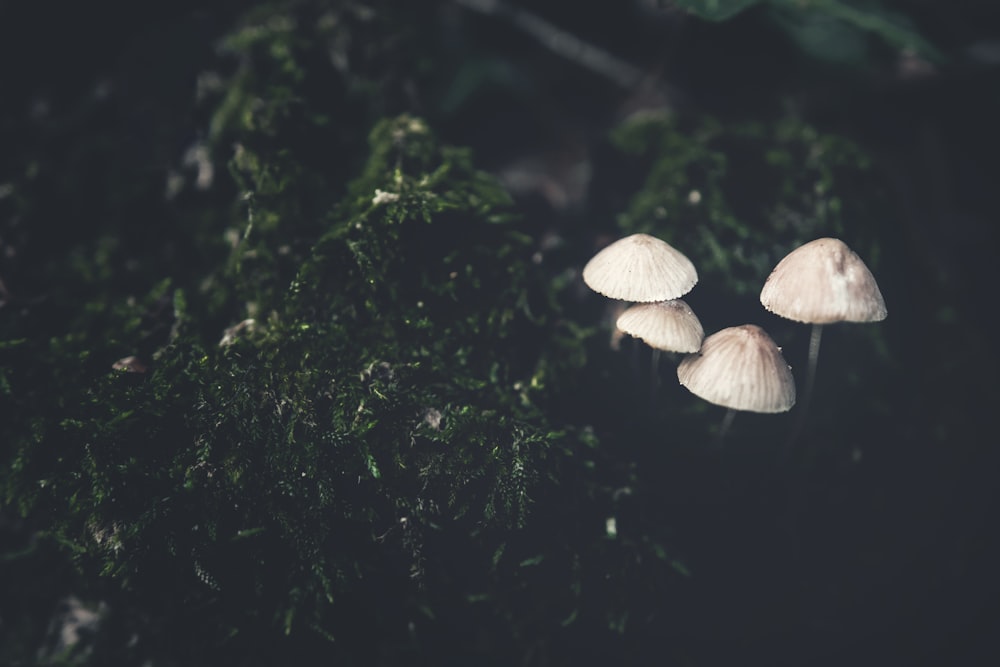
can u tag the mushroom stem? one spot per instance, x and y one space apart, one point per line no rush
636 365
654 376
814 340
727 421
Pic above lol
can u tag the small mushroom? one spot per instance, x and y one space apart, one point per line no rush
819 283
640 268
670 326
667 326
739 368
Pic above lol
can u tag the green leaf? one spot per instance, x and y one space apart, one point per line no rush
715 10
680 568
833 29
827 29
372 466
823 36
249 532
894 28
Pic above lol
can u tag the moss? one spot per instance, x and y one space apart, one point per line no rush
380 409
363 424
738 197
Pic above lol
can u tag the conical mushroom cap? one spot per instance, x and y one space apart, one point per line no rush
640 268
665 325
821 282
740 368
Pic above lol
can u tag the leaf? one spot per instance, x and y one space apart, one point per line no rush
715 10
498 554
372 466
248 532
566 622
821 26
535 560
826 29
680 568
823 36
894 28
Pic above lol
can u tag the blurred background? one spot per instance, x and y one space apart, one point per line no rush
736 130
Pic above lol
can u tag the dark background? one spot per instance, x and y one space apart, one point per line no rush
888 553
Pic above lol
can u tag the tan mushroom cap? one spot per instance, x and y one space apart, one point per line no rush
821 282
740 368
665 325
640 268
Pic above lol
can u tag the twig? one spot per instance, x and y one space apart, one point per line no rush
561 42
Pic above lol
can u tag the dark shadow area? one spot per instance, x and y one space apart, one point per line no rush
872 541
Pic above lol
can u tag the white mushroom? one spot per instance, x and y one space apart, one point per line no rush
640 268
739 368
819 283
670 326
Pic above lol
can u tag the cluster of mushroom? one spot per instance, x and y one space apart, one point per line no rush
740 368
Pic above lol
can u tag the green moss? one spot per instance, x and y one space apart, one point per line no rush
369 427
383 393
738 197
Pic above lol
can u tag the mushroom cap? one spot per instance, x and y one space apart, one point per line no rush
740 368
640 268
665 325
821 282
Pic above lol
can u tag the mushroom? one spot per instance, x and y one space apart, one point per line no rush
640 268
643 269
669 326
739 368
822 282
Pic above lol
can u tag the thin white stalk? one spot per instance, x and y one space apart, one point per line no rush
654 376
727 421
815 338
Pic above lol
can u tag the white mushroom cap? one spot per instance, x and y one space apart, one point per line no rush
821 282
665 325
640 268
740 368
